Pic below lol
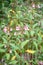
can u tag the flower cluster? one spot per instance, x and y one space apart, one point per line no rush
18 28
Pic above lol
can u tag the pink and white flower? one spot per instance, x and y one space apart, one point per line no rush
17 28
33 5
26 27
5 29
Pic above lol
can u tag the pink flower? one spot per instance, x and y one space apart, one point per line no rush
33 5
26 27
17 28
40 62
5 29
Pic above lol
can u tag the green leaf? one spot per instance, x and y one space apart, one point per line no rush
2 50
42 23
39 39
1 45
41 5
17 55
35 44
35 25
7 56
4 40
32 32
13 62
24 43
14 47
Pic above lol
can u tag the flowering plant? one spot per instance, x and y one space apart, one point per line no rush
21 33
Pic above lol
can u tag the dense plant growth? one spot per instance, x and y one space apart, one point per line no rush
21 32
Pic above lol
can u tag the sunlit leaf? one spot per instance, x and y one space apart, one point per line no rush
30 51
13 58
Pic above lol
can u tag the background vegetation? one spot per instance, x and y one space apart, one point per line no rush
21 32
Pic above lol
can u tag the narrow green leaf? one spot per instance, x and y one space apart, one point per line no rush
24 43
4 40
13 62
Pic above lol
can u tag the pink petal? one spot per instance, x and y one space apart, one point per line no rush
26 27
17 27
5 29
33 5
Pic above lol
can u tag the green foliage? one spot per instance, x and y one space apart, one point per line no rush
21 29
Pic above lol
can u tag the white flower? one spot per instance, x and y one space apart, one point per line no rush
10 51
15 33
11 29
5 46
